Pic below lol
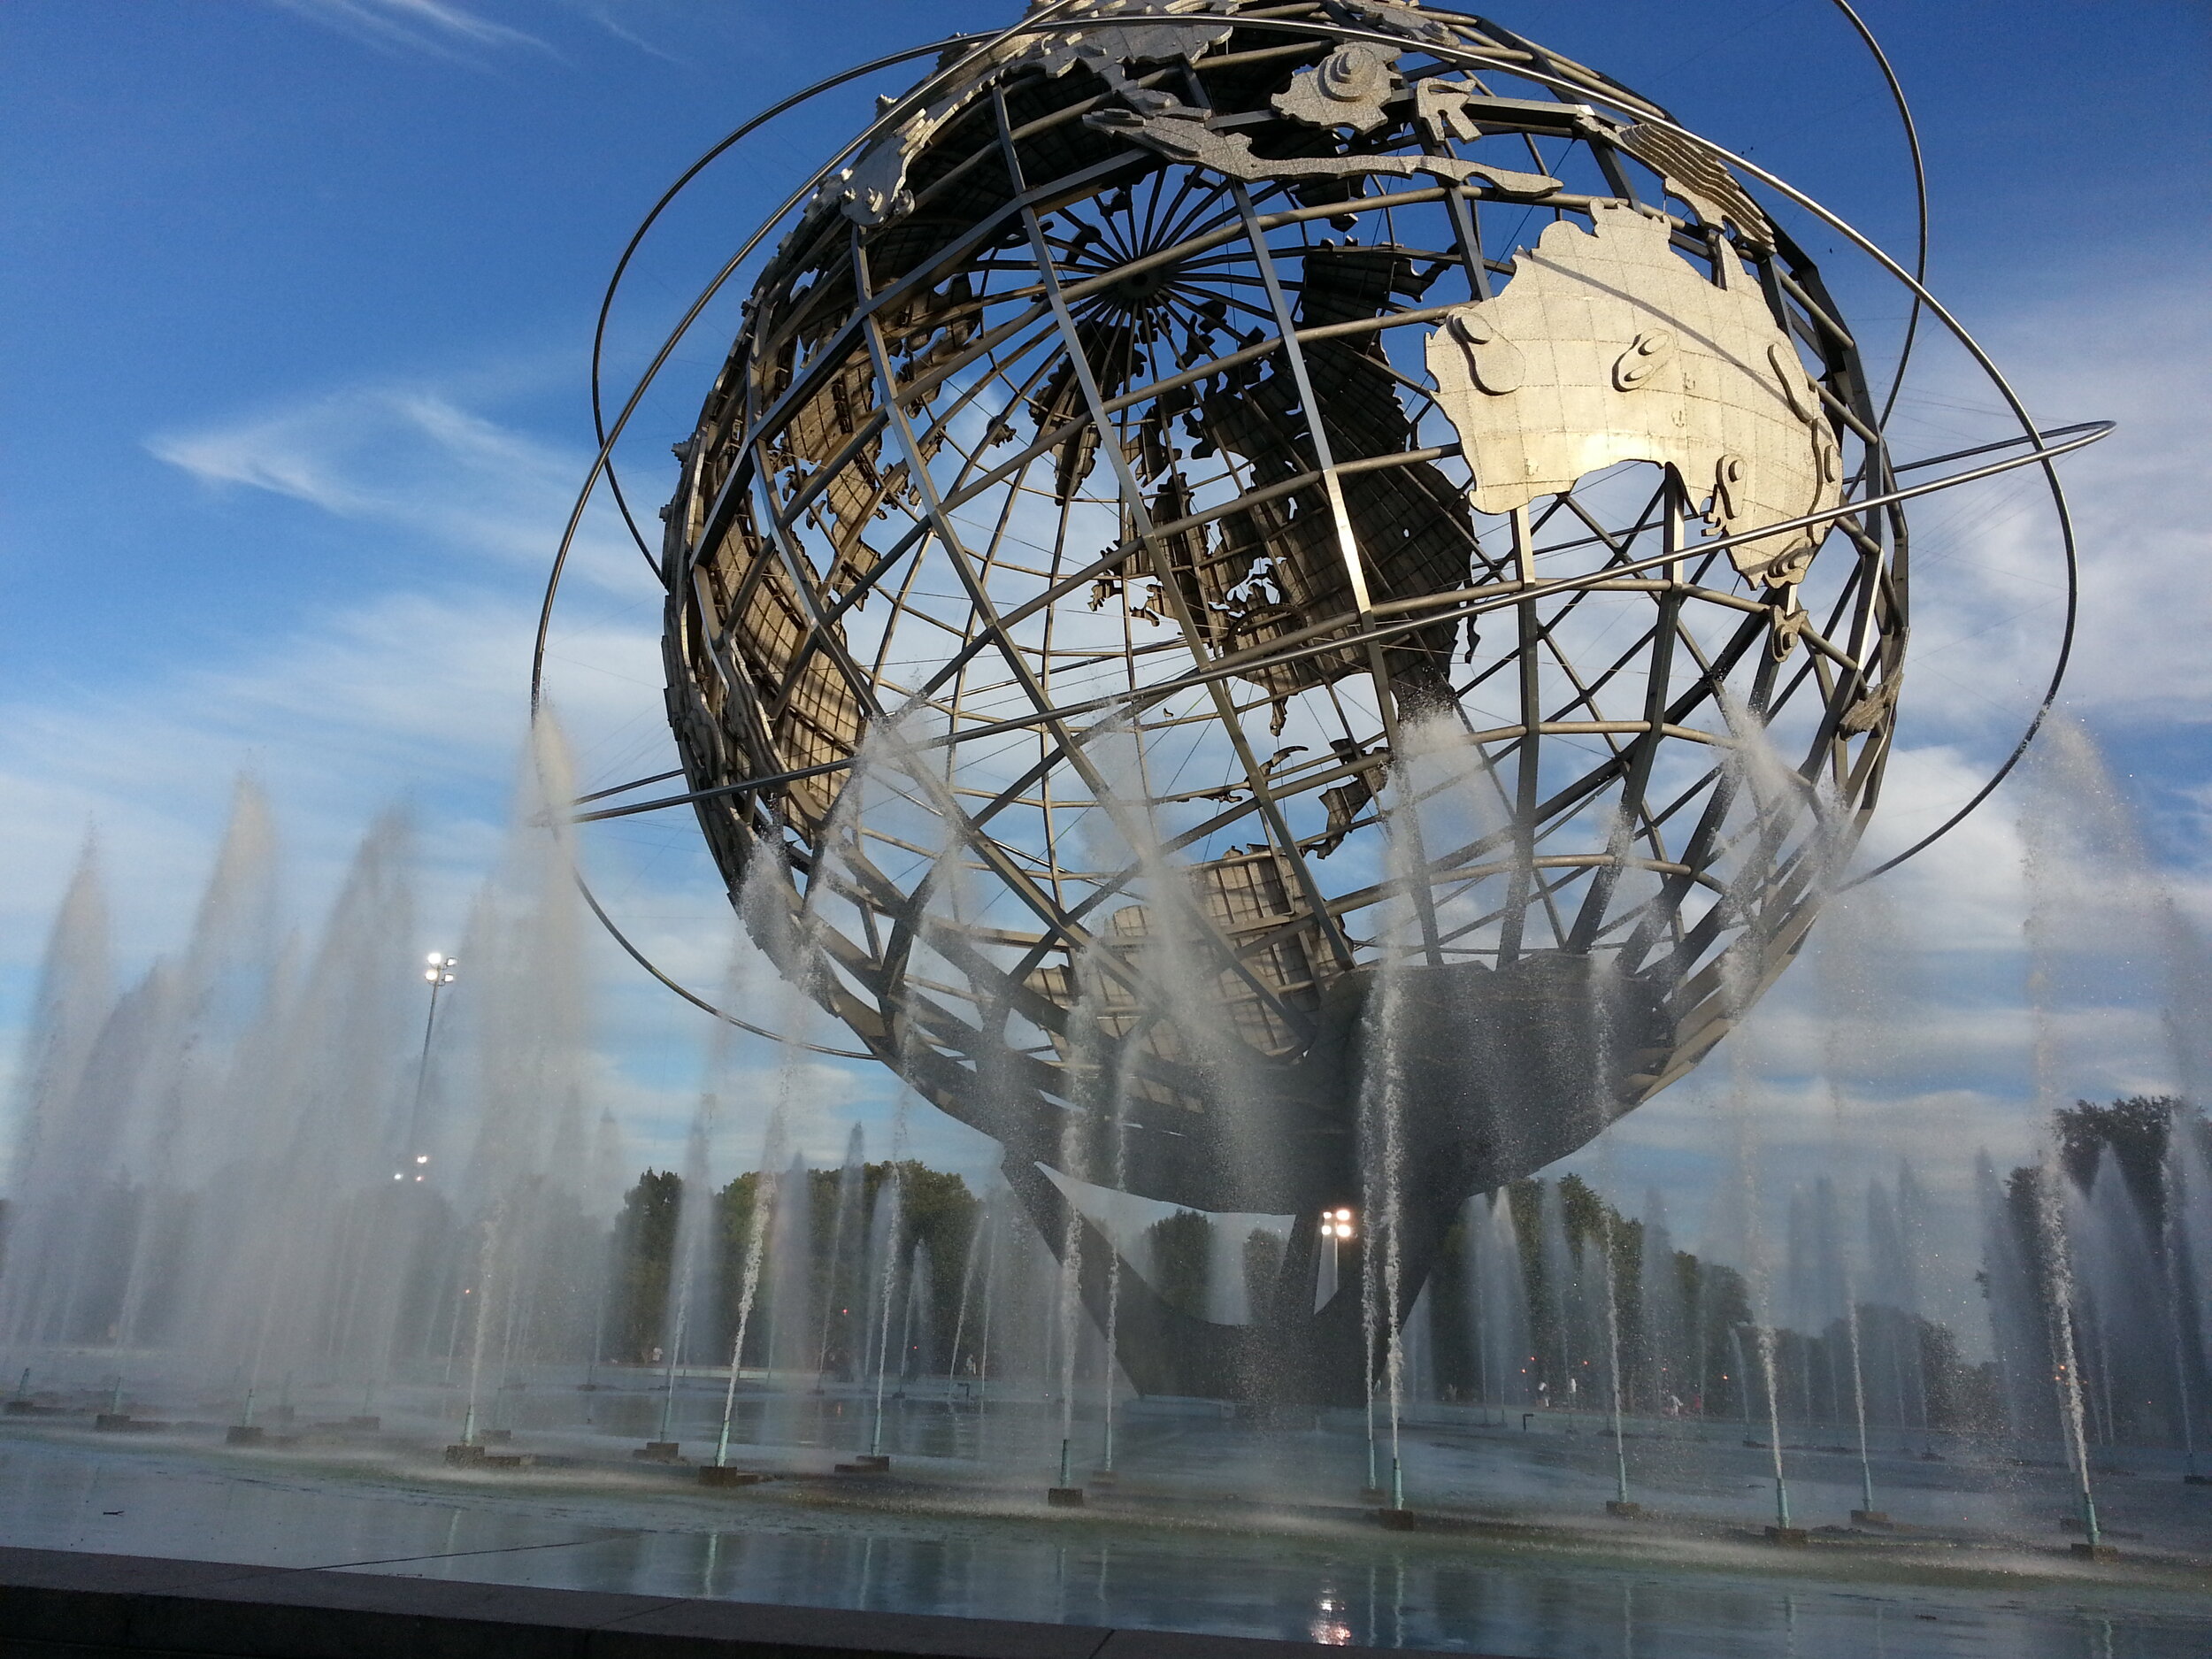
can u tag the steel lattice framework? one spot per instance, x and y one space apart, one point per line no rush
1218 507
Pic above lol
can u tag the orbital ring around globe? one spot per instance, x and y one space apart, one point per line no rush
1043 21
976 43
1077 587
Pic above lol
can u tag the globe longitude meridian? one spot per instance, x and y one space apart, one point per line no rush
1213 522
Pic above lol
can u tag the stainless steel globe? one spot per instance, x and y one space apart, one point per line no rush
1252 567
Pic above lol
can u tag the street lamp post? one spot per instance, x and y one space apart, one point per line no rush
438 973
1336 1228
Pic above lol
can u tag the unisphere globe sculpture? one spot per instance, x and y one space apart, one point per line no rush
1266 606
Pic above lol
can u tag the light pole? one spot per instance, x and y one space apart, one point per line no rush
1337 1229
439 972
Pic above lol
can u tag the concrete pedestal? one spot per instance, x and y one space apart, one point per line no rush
1065 1497
712 1475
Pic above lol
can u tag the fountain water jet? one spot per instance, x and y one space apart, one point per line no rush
1844 957
837 1292
1620 1504
698 1212
1666 1326
890 1200
1504 1290
1121 1091
2187 1243
756 1240
2070 780
2059 1277
1893 1263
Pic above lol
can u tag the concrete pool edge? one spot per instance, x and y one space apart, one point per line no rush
66 1604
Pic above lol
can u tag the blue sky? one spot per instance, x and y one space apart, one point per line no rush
296 311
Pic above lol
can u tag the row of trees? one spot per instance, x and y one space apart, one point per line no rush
1516 1311
2106 1254
826 1294
1533 1329
1536 1334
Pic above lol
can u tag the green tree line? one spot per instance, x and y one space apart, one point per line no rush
836 1292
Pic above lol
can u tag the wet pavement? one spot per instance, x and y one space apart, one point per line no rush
1209 1524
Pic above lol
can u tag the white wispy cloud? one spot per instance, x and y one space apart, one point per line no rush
416 688
346 712
436 27
414 455
465 35
1987 576
604 17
